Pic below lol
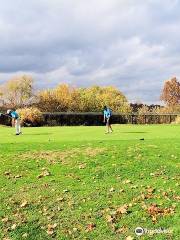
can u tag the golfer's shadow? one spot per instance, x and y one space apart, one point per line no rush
134 132
38 134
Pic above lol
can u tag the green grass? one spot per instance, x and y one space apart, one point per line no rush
75 179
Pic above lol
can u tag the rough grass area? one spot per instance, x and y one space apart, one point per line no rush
79 183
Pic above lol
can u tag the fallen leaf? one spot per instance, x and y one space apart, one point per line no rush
50 228
154 219
7 173
129 238
82 166
176 198
165 194
60 199
154 211
24 203
110 219
44 174
112 189
122 210
50 232
5 220
18 176
127 181
13 227
91 227
25 235
121 230
150 190
65 190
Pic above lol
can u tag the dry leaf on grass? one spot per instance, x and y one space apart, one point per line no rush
150 190
122 210
65 191
113 216
127 181
176 198
50 228
5 220
155 211
90 227
24 203
110 219
60 199
122 230
44 174
18 176
112 189
129 238
121 190
25 235
13 227
7 173
82 166
146 196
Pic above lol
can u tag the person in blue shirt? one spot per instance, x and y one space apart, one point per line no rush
15 116
107 118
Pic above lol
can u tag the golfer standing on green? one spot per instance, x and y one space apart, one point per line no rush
107 119
15 116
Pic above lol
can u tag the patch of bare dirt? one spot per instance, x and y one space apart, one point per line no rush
62 156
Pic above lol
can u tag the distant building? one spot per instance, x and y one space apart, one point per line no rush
136 106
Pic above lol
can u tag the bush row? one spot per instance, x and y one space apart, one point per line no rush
34 117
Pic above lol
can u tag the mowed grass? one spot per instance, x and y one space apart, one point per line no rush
79 183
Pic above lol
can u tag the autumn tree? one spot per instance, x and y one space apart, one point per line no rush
46 101
88 99
63 94
60 99
115 99
18 91
171 92
92 99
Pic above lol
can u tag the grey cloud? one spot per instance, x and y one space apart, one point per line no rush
133 45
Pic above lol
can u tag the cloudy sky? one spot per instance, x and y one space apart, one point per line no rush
132 44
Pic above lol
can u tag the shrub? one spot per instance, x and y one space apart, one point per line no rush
30 116
142 111
177 120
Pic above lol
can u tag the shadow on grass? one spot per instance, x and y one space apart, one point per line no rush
134 132
37 134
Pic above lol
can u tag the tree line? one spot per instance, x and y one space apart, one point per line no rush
19 92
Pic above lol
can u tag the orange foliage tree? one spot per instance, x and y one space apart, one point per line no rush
65 98
171 92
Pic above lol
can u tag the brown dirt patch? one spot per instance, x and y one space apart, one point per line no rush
62 156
